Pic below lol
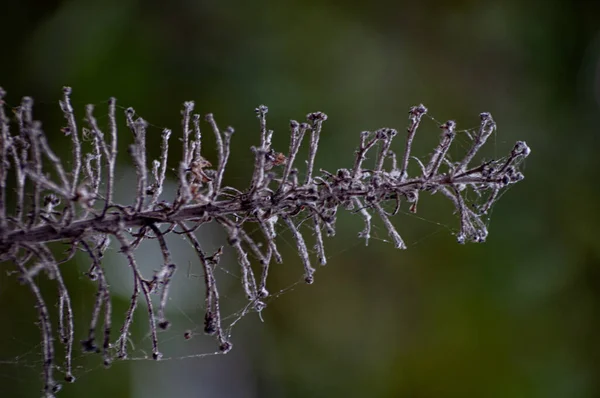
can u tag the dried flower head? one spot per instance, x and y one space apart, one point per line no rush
77 207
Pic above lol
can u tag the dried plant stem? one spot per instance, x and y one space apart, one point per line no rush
89 217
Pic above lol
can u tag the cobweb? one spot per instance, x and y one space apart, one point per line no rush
21 359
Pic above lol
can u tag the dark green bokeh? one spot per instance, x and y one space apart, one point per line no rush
514 317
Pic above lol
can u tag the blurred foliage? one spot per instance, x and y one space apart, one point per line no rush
514 317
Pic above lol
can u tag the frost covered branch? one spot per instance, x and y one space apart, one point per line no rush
77 207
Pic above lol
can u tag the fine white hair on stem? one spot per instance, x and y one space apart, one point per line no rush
76 206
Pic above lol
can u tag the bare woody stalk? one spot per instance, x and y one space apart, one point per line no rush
88 217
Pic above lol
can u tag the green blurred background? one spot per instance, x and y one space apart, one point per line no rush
517 316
